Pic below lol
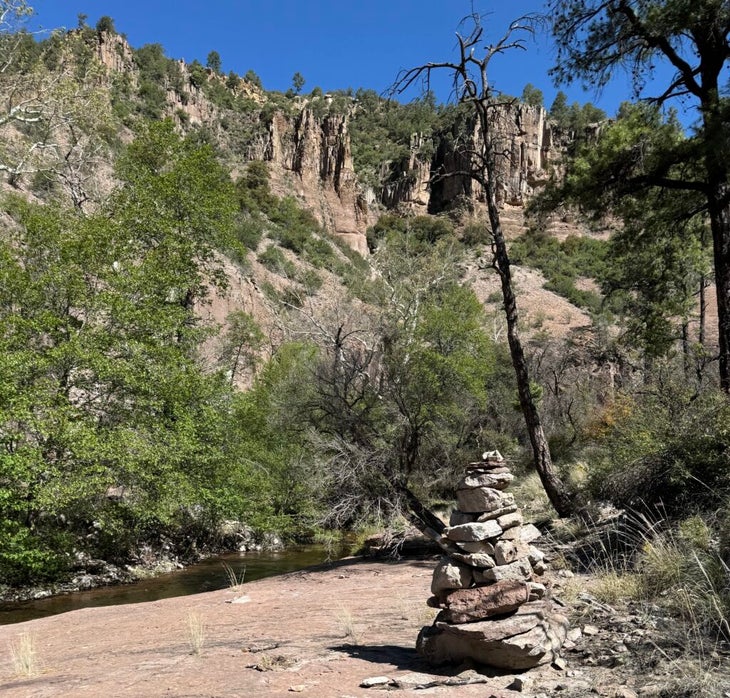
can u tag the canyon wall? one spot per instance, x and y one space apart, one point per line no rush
310 155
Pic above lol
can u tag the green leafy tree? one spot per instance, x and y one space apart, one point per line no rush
213 61
559 109
395 396
106 415
532 95
598 40
297 82
198 76
106 24
240 344
659 259
253 78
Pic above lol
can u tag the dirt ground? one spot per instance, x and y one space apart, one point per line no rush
318 633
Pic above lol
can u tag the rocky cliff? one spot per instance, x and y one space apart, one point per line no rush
309 151
311 159
310 156
530 146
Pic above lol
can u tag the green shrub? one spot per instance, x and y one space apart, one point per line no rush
31 557
311 281
274 260
669 448
319 252
248 231
475 234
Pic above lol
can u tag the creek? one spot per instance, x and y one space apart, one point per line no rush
208 575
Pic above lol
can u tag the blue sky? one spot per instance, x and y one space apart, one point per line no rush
334 44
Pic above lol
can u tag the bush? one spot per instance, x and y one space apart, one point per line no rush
274 260
668 448
106 24
249 231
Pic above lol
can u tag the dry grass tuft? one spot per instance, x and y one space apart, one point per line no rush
23 656
530 493
347 623
235 581
196 632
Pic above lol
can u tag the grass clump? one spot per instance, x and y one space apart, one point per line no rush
23 656
235 580
677 566
347 623
196 632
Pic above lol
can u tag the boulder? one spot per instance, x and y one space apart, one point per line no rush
529 637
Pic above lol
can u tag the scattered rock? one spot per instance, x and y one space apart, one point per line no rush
517 684
374 681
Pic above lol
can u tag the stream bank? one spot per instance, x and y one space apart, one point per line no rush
210 574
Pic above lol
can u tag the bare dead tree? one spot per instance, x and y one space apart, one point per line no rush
471 86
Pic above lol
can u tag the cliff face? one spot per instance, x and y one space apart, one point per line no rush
530 148
310 156
311 159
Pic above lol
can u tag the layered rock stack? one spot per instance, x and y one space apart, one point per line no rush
492 610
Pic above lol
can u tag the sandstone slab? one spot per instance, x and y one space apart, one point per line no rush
472 532
478 603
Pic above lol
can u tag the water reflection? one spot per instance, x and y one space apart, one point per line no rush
208 575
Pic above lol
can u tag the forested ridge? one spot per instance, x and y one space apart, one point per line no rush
192 343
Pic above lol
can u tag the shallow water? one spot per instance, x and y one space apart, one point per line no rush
207 575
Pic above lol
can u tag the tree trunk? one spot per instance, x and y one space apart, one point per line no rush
720 225
703 311
718 209
554 487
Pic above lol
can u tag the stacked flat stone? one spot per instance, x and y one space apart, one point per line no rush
492 610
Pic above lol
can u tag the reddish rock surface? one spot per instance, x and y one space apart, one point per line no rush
313 633
467 605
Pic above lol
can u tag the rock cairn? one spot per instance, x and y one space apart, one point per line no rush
492 610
